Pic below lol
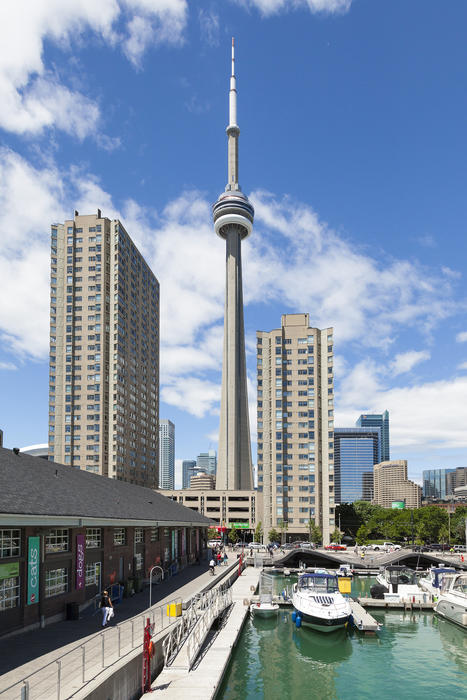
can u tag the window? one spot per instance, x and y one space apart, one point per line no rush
139 538
93 537
10 543
119 536
93 574
138 561
56 541
9 593
56 582
154 534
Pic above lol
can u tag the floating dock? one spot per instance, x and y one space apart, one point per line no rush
395 605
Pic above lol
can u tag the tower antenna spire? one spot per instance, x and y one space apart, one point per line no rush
233 131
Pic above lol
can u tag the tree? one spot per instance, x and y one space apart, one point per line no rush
283 525
314 531
259 532
363 535
273 535
443 534
233 535
212 533
336 535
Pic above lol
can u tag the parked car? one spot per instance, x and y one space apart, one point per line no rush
336 547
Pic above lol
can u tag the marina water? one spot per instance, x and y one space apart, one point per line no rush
415 655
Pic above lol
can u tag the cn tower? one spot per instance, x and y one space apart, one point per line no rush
233 221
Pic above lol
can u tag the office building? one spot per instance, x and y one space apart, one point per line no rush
436 483
456 479
202 481
207 461
381 421
296 426
233 222
104 352
239 509
356 450
391 484
166 454
188 470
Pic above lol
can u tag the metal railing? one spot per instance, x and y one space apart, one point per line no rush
61 678
182 644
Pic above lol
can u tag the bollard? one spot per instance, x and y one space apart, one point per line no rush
25 691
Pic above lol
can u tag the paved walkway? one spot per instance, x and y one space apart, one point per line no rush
202 682
26 653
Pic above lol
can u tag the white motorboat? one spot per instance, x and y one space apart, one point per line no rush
318 602
345 570
432 582
265 607
452 603
397 584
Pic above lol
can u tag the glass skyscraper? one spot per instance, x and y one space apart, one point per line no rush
188 470
381 421
356 450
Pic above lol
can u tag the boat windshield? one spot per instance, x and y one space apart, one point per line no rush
400 575
323 583
460 584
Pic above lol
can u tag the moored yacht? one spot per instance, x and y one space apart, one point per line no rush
432 582
452 603
397 584
318 602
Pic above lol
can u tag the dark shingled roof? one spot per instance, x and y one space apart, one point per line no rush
34 486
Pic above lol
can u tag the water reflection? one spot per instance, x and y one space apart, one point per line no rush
323 647
454 641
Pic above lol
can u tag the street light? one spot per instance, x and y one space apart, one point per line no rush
150 581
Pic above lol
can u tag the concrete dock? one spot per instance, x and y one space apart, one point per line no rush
205 678
392 605
362 620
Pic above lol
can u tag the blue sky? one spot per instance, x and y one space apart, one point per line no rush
352 148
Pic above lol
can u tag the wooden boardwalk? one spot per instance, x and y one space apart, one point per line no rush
362 620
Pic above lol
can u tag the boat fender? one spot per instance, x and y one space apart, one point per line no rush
298 622
464 619
294 616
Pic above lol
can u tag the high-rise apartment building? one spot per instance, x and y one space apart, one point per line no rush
188 470
166 454
207 461
104 352
356 450
296 426
391 484
381 421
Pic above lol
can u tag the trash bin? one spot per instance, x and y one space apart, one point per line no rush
72 611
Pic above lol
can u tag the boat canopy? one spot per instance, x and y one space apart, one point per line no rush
438 574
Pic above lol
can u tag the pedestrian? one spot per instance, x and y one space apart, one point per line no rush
212 564
225 558
219 558
107 608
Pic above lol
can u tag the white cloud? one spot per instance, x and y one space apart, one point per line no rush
405 361
462 337
418 414
272 7
462 366
209 26
8 366
33 98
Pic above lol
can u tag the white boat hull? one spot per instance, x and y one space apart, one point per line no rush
264 609
452 611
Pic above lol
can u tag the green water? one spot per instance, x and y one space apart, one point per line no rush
413 656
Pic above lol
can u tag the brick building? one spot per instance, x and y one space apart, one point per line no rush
66 534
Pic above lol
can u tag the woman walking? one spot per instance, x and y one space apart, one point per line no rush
107 608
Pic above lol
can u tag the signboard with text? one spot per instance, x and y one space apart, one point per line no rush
398 505
240 526
79 562
33 570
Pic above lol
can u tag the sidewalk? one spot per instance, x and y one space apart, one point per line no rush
25 653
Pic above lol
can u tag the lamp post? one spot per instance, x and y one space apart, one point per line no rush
150 581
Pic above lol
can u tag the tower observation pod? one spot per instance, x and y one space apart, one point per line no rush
233 221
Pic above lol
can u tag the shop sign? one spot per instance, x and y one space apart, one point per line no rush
240 526
33 570
9 570
79 562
